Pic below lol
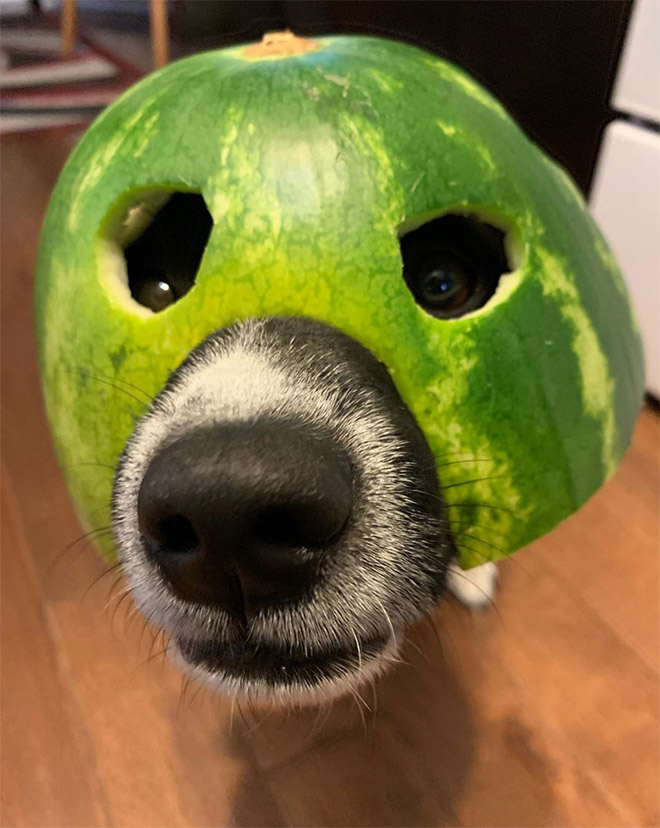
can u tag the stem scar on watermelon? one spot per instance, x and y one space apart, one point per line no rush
334 321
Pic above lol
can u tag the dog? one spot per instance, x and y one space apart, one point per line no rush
277 507
279 513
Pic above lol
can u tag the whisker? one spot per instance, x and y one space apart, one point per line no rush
137 399
114 568
320 721
430 618
231 713
112 598
131 615
160 634
397 660
484 557
474 480
471 460
68 466
115 583
156 635
457 454
494 507
362 701
481 540
313 730
154 656
359 650
242 715
111 592
198 689
261 721
86 536
416 646
388 620
185 683
146 625
125 595
356 699
112 382
168 640
374 696
474 525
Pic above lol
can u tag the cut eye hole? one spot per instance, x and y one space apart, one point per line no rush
453 263
162 262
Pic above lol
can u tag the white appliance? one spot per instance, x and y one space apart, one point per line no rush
625 196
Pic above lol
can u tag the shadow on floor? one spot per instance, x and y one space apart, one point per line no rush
400 756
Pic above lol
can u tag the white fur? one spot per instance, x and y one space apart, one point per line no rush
474 587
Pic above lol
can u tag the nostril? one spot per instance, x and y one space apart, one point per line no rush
176 534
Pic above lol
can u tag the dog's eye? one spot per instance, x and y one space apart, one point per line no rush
163 260
155 294
452 264
444 282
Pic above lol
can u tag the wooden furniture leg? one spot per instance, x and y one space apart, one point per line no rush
160 41
68 27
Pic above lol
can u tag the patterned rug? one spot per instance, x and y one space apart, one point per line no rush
39 88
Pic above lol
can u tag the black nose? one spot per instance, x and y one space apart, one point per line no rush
241 516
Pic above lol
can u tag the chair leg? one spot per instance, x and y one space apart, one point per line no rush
68 27
160 40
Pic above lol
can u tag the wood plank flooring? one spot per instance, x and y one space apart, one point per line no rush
542 711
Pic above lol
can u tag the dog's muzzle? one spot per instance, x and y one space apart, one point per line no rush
278 512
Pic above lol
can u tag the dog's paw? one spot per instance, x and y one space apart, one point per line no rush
474 587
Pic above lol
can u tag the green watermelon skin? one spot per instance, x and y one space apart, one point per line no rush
311 165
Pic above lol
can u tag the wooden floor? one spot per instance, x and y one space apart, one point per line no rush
542 711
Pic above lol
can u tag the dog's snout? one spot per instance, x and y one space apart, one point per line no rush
243 515
278 511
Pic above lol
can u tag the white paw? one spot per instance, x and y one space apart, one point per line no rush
474 587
